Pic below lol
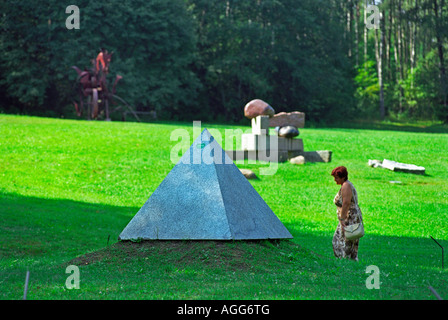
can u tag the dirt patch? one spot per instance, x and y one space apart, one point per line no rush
236 255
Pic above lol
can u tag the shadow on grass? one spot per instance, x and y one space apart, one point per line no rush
391 251
38 228
52 234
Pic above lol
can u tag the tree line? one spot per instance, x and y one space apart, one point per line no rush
205 59
402 70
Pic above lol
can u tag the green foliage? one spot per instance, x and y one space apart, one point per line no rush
205 59
288 53
422 89
185 59
367 88
152 41
409 33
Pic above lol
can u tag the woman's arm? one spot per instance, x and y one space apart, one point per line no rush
346 199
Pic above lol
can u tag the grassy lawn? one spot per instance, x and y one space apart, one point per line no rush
68 188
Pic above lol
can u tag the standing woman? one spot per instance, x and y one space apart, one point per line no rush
348 212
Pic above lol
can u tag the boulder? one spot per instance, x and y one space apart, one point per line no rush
282 119
297 160
288 132
249 174
318 156
257 108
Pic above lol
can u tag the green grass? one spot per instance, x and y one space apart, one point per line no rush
67 186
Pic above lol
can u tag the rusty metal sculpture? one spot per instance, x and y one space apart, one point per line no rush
92 84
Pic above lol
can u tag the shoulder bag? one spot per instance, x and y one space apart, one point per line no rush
354 231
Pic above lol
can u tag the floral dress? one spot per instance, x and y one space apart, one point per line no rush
342 247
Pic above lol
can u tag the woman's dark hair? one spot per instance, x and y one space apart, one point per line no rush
341 172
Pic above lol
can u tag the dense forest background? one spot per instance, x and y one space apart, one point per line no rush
205 59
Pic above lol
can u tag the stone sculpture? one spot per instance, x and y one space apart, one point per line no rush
205 197
257 108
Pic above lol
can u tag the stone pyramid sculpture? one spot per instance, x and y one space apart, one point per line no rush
205 197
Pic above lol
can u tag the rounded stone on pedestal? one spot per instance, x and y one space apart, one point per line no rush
257 108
